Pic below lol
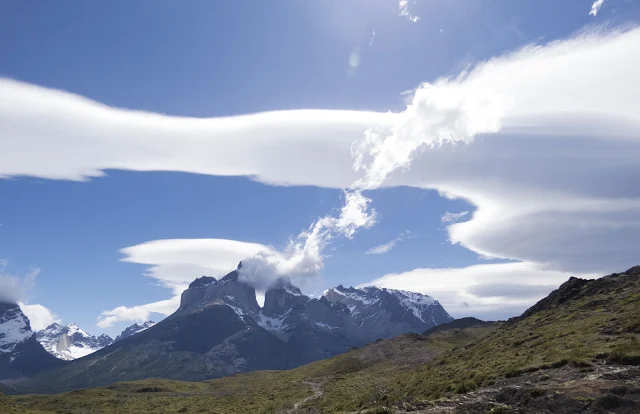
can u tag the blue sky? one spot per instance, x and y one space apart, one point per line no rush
202 59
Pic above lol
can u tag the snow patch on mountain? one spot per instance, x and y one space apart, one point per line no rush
134 329
70 342
271 324
14 329
325 326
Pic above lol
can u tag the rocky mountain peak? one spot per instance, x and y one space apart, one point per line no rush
389 312
70 342
20 352
229 290
14 327
203 281
282 296
134 329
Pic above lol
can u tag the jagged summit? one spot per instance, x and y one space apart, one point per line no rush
220 329
70 342
14 327
389 312
134 329
20 352
203 282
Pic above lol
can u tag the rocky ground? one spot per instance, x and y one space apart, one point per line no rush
569 389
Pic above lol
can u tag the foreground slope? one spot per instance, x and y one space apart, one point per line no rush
575 351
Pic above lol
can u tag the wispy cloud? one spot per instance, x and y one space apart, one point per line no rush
595 7
140 313
382 248
303 258
14 289
403 8
453 217
386 247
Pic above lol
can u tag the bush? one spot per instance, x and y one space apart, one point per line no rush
465 387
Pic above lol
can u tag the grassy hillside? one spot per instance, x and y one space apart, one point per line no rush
582 326
261 391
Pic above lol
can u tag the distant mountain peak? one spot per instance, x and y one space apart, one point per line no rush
203 281
70 341
134 329
20 352
400 311
284 283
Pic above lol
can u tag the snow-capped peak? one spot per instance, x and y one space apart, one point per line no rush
412 297
368 304
14 327
73 329
366 296
70 341
134 329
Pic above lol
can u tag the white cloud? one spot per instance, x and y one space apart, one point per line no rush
14 289
453 217
177 262
403 8
382 248
595 7
303 258
552 166
39 316
386 247
139 314
488 291
57 135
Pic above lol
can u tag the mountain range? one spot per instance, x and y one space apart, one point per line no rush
575 351
219 329
69 342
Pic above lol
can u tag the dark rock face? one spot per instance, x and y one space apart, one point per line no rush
220 329
20 352
384 313
281 297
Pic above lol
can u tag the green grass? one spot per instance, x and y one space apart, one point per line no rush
263 391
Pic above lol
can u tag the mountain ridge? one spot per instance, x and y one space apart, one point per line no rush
219 329
577 350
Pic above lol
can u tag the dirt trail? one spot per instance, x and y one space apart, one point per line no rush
316 388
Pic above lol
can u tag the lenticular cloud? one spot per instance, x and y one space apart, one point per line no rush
511 91
554 162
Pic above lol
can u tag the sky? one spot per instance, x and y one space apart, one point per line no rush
478 152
